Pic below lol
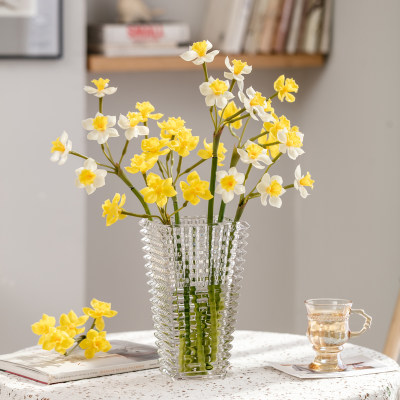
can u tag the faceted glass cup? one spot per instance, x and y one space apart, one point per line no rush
328 330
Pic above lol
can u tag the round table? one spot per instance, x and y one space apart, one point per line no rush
250 377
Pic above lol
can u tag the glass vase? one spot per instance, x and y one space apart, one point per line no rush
195 271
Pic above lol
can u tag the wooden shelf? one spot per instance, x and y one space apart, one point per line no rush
98 63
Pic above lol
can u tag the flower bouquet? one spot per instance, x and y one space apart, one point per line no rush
194 263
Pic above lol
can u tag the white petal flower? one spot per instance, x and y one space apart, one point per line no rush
255 105
101 88
100 128
89 177
230 183
130 124
198 53
291 142
300 181
237 70
216 92
61 148
254 154
271 188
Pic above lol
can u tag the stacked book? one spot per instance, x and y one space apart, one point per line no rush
270 26
141 39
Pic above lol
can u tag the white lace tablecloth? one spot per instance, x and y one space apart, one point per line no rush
249 377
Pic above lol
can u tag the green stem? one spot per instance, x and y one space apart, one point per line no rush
258 136
176 210
140 215
236 119
104 152
161 168
234 115
124 151
109 152
214 164
85 158
186 171
221 211
243 130
205 71
100 105
288 186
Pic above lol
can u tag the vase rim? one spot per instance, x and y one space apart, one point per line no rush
226 221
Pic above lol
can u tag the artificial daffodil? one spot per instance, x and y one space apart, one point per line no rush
112 211
183 142
271 189
130 123
70 322
237 70
100 127
141 163
228 111
216 92
206 153
100 309
101 88
158 190
255 105
89 177
145 109
291 142
61 148
230 183
195 189
254 154
171 127
94 343
198 53
285 87
301 182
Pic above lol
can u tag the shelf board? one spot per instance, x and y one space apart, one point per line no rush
99 63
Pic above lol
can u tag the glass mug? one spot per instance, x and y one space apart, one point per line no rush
328 330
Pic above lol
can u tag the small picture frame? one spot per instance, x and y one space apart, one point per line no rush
30 29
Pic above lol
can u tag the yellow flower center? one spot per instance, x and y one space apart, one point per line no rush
100 83
228 183
257 100
238 66
86 177
293 140
254 151
274 189
57 146
219 87
100 123
200 48
134 119
307 181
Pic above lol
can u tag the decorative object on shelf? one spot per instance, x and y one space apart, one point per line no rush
328 330
194 263
135 11
66 337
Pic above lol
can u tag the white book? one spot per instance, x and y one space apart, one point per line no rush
295 25
255 27
49 367
122 34
326 31
154 50
237 26
312 29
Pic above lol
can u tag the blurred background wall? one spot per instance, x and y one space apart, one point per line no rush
340 242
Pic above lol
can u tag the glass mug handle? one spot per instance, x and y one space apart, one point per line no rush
367 323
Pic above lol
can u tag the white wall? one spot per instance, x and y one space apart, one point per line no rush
347 233
42 246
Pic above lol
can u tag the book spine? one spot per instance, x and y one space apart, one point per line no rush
326 31
295 25
271 19
283 26
312 28
139 33
253 41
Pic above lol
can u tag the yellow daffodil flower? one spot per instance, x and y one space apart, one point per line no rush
101 88
291 142
158 190
142 163
254 154
230 110
69 323
198 53
271 187
146 109
195 189
230 183
301 181
112 210
100 127
56 339
183 142
171 127
216 92
130 123
94 343
100 310
206 153
281 123
255 104
89 177
237 70
152 147
43 326
60 149
285 87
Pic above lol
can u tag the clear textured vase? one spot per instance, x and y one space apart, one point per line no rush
195 271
